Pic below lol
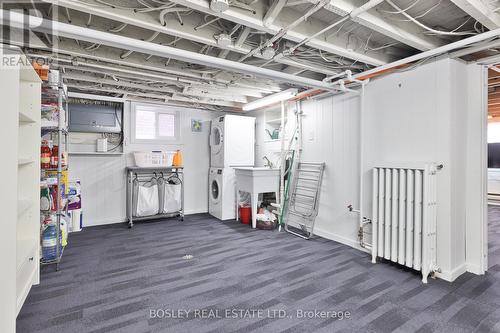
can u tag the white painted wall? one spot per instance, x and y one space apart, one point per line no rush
422 115
103 177
330 135
418 116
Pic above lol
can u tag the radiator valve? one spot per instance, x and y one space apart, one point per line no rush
351 209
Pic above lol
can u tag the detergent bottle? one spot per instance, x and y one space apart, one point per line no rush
177 161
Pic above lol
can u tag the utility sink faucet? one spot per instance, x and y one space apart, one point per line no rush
268 162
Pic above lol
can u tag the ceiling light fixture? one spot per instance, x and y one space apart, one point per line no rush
268 53
219 6
271 99
223 40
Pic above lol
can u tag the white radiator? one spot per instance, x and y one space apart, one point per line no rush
404 216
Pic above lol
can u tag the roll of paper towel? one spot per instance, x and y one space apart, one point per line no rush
76 220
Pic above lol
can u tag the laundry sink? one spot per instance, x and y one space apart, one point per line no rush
257 172
255 180
253 169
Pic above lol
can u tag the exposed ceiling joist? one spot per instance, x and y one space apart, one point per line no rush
119 83
240 41
139 75
165 98
273 11
113 40
336 45
201 91
196 91
187 30
404 32
176 75
480 12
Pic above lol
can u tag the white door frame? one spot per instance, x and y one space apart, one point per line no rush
484 162
476 235
476 174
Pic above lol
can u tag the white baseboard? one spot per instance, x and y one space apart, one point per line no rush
196 211
452 275
124 219
112 220
334 237
337 238
475 269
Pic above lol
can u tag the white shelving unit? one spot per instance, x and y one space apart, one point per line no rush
20 94
56 92
28 191
272 124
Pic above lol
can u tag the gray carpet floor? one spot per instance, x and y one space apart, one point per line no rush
113 279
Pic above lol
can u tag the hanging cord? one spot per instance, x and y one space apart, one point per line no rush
438 32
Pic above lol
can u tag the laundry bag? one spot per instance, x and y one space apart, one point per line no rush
147 200
172 196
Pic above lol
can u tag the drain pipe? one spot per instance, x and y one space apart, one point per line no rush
281 195
363 221
361 163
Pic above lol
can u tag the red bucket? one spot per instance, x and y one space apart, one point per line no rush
245 215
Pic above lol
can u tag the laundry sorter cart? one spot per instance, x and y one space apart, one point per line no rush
154 193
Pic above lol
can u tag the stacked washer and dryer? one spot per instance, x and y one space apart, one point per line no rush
232 144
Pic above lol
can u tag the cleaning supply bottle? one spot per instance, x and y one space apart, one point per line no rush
45 155
177 162
64 232
54 158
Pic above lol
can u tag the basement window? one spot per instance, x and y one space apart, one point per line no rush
154 123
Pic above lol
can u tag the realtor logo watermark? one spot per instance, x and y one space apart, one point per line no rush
237 313
26 24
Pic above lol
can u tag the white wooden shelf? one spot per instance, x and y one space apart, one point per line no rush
21 161
24 117
274 121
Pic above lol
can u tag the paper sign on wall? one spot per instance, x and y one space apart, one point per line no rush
196 125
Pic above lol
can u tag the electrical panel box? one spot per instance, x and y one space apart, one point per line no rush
95 118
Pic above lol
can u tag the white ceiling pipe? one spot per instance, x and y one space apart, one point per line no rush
477 48
105 38
72 94
434 52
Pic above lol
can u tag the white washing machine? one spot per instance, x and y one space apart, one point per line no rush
232 141
222 189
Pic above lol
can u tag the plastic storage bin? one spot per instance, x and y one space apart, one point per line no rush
245 214
146 159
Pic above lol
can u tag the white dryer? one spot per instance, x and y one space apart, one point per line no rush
222 189
232 141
